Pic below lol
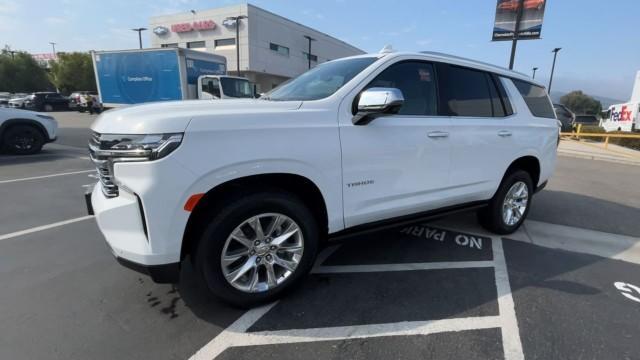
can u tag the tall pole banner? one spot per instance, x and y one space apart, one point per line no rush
508 12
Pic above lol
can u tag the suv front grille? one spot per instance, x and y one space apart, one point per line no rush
104 166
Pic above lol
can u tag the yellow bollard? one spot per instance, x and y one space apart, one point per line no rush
606 142
577 131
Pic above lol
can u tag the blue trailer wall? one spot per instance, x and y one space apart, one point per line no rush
196 68
138 77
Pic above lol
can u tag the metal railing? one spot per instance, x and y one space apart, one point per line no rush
578 134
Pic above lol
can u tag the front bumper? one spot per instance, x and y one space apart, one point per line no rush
122 223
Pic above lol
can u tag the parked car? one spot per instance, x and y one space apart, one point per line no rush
24 132
565 116
250 189
585 120
75 99
4 99
47 101
17 101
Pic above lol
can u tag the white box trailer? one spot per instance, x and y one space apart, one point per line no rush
626 116
138 76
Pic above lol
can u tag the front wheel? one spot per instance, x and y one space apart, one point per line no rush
256 247
23 140
510 205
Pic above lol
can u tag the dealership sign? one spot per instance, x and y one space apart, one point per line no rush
196 25
530 25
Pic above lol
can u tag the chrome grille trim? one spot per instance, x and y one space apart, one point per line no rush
104 166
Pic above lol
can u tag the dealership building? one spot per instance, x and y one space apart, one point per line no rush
272 48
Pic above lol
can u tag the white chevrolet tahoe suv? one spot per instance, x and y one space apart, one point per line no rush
250 189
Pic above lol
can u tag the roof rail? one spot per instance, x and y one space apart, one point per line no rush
435 53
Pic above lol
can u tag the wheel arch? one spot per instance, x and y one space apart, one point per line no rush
211 201
528 163
6 125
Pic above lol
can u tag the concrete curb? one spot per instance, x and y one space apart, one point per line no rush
599 158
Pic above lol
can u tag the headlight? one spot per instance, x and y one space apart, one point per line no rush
135 147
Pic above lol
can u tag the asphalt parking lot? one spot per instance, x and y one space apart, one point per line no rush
566 286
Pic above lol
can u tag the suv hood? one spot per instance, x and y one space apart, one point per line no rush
174 116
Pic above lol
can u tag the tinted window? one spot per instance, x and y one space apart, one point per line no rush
196 44
225 42
536 99
469 92
237 88
321 81
211 86
497 109
417 82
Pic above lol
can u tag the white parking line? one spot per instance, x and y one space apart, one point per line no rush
237 335
46 176
401 267
229 338
43 227
511 344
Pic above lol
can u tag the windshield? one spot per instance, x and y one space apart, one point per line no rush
321 81
238 88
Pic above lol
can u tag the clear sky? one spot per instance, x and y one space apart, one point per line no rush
600 39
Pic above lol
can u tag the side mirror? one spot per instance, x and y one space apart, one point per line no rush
376 102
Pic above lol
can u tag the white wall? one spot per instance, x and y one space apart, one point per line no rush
256 33
266 28
220 32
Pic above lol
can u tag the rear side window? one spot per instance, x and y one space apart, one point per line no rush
468 92
536 99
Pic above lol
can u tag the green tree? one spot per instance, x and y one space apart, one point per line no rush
581 103
19 72
72 72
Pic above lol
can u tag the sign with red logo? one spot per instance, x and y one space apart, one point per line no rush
196 25
623 115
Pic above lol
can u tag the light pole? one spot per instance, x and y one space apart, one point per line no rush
516 28
139 30
534 72
236 20
555 54
53 46
309 53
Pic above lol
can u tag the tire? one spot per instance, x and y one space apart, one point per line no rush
215 242
492 217
47 107
23 140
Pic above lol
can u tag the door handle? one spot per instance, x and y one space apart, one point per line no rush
438 134
504 133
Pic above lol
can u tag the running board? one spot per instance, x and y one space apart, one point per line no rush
405 220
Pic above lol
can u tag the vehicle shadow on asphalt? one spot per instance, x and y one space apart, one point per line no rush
587 212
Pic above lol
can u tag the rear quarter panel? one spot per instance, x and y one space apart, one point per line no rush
533 136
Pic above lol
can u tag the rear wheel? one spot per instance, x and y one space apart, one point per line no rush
256 247
23 140
510 205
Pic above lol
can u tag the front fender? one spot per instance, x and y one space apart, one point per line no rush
329 189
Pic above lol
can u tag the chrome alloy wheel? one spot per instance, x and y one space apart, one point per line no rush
515 203
262 252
